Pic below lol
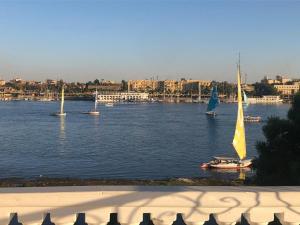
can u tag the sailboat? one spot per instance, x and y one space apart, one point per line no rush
61 113
245 102
213 102
94 112
239 140
249 118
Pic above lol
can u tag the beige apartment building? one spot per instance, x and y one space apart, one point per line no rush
287 89
170 86
142 85
193 85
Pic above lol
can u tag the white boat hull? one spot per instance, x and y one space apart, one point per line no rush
94 113
227 163
211 113
252 119
59 114
241 164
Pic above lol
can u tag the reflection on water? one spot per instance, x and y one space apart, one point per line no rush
212 129
240 173
62 133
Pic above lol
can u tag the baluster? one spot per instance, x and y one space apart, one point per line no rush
288 218
194 218
230 217
63 217
259 217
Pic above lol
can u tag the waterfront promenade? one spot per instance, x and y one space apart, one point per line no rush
98 205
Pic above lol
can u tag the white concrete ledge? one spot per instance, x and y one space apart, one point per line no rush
258 205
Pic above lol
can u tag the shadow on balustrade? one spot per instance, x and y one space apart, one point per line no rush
137 196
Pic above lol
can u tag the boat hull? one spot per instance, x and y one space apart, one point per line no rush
228 164
211 113
94 113
255 119
59 114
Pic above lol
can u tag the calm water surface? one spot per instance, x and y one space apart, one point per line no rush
126 141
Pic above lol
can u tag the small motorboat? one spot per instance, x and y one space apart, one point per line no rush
110 104
92 113
211 113
254 119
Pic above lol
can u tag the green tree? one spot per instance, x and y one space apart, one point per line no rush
278 161
261 89
124 85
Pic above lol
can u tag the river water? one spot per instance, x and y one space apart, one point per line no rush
142 141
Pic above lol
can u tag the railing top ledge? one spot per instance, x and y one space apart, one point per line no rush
150 189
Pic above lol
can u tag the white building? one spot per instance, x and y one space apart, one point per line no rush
123 96
265 99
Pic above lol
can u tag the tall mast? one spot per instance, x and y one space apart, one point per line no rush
199 90
164 90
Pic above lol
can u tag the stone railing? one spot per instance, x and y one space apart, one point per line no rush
98 205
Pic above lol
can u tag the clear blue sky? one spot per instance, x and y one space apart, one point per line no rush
137 39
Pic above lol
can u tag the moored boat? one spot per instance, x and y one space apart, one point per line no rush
109 104
252 119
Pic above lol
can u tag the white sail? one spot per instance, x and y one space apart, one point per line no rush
96 100
62 100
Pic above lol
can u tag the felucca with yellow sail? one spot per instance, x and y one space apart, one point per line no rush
62 101
239 140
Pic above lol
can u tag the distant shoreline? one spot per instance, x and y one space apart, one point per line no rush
47 181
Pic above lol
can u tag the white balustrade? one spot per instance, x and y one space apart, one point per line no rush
227 205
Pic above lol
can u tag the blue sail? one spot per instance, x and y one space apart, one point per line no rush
214 100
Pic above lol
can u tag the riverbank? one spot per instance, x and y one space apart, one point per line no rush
47 182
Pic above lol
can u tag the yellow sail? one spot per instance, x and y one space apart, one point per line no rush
62 100
239 140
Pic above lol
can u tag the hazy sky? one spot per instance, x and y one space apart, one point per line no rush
138 39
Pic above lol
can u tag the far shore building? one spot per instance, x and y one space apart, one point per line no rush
280 79
143 85
169 86
266 99
105 86
2 82
123 96
287 89
51 82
